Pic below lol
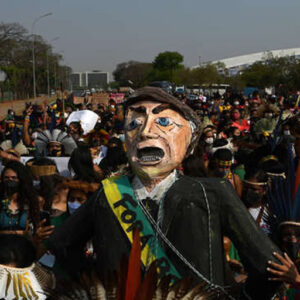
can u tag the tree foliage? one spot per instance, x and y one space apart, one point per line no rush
132 73
16 61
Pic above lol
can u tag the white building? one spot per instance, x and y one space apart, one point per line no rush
238 63
91 79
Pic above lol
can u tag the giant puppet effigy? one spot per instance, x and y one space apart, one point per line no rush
181 220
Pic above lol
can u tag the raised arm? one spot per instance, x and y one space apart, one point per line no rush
26 136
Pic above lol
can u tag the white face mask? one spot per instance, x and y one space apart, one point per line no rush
209 140
34 135
268 115
236 102
122 137
286 132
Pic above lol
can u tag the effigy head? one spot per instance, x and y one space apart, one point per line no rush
160 131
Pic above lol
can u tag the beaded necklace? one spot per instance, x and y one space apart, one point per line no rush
9 218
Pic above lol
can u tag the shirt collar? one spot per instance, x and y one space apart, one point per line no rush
159 191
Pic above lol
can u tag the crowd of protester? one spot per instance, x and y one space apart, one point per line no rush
254 142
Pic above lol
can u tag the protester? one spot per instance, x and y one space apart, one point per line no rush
160 132
19 202
252 142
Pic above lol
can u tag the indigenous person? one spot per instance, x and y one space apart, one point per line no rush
19 210
20 276
220 165
181 219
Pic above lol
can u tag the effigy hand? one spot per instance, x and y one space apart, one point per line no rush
286 272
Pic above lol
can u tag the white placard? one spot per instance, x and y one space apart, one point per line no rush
87 119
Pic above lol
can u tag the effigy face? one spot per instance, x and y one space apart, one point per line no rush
157 138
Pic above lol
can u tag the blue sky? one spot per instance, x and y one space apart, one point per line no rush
99 34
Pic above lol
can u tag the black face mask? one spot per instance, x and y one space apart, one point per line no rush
55 153
292 250
11 187
75 136
96 143
251 198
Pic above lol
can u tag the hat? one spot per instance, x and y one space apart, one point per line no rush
159 95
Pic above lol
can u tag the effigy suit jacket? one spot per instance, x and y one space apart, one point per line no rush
197 213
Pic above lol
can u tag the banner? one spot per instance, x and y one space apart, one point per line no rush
100 98
118 97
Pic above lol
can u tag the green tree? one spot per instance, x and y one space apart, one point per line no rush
167 63
132 73
16 60
207 74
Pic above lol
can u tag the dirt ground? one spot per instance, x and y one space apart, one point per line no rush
19 105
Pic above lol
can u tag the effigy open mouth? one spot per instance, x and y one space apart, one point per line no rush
150 154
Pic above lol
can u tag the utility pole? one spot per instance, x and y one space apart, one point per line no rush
33 55
48 77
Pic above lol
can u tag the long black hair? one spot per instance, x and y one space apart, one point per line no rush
81 163
27 194
17 250
49 188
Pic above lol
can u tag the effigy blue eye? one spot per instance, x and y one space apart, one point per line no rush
133 124
164 121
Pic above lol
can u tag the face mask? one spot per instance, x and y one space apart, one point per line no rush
286 132
122 137
11 187
236 102
212 102
72 206
293 250
11 113
75 136
220 174
251 198
236 115
96 143
34 135
209 140
36 183
269 115
55 153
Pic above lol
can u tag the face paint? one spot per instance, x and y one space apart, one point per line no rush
156 140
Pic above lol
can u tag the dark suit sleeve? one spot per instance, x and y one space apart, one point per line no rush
254 247
69 240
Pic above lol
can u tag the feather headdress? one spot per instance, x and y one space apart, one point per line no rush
45 137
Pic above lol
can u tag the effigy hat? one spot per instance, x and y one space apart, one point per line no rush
159 95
